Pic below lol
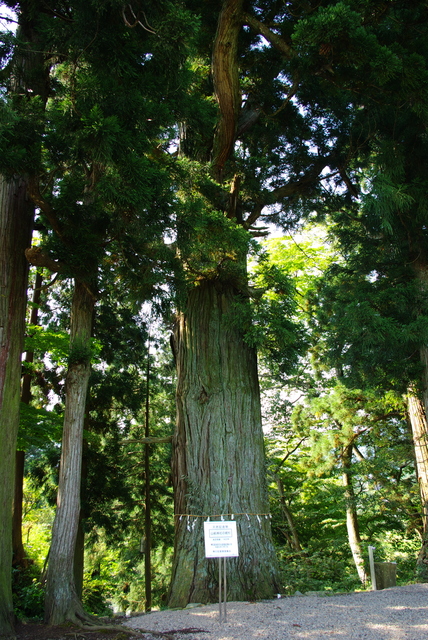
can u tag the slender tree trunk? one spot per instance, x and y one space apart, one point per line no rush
225 74
418 423
19 555
62 602
294 539
16 223
147 490
351 515
218 460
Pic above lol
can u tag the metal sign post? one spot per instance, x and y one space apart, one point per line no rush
221 541
222 603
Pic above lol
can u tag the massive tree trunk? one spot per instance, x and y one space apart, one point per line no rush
62 602
351 514
218 464
16 223
418 423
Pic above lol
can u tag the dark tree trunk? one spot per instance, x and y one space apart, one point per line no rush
29 79
19 555
16 223
351 515
218 463
418 423
61 601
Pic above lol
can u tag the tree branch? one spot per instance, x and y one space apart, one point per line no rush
45 207
275 40
226 82
149 440
38 258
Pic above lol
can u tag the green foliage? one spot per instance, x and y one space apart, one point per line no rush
376 322
28 594
329 570
38 426
28 590
114 578
42 340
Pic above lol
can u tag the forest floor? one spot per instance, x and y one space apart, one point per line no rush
36 631
39 631
400 613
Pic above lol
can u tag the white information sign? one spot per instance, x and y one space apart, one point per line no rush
221 539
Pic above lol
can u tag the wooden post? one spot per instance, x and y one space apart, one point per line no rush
372 568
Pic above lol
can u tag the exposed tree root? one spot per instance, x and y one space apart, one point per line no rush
168 635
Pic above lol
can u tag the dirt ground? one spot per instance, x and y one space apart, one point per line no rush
398 613
35 631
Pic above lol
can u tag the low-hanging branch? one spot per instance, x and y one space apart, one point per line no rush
149 440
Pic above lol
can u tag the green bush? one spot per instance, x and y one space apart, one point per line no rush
28 594
316 572
95 596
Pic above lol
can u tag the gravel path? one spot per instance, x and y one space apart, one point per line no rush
400 613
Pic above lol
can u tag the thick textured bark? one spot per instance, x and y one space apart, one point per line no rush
218 463
418 423
62 602
352 516
16 221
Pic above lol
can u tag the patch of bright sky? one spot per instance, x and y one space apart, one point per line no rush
8 18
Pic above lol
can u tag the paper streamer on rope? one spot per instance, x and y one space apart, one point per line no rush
221 516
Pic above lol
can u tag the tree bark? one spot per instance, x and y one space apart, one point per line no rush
16 223
225 73
61 601
351 514
294 537
79 559
19 555
418 423
218 459
29 78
